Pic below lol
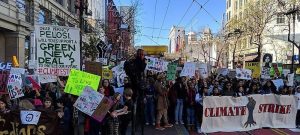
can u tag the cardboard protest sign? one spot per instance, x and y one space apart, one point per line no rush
30 117
78 80
107 74
171 73
17 71
88 101
47 124
93 67
47 78
102 109
203 70
244 74
254 67
265 73
4 75
290 78
278 83
58 49
188 69
5 65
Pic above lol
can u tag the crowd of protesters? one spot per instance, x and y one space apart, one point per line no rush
165 102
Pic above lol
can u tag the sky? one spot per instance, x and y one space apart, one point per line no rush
152 29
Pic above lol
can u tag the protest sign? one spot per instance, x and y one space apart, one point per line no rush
278 83
107 74
12 125
15 90
119 73
285 72
276 69
88 101
290 78
254 67
17 71
223 71
58 49
15 78
171 73
155 64
4 75
232 73
33 81
244 74
229 114
5 65
188 69
102 109
30 117
203 70
47 78
93 67
78 80
265 73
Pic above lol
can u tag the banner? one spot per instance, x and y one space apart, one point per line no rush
188 69
171 73
203 70
265 73
47 78
11 124
3 81
58 49
254 67
5 65
78 80
155 64
244 74
30 117
93 103
229 114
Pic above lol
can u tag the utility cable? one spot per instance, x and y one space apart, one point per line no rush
164 18
154 16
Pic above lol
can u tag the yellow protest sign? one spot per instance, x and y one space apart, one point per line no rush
78 80
107 74
254 67
298 71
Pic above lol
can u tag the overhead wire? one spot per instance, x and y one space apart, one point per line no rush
185 13
164 18
154 28
201 6
154 16
196 14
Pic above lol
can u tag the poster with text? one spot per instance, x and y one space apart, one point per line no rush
30 117
88 101
188 69
254 67
78 80
15 90
203 70
156 64
244 74
58 49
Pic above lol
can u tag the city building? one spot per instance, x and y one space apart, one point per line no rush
177 39
274 35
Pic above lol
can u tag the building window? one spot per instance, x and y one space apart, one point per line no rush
60 21
236 4
298 17
44 16
241 3
241 15
61 2
280 19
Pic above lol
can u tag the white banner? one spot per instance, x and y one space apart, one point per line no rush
47 78
244 74
229 114
188 69
58 49
30 117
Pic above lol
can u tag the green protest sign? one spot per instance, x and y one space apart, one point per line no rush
78 80
171 73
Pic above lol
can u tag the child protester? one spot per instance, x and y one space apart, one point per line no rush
126 117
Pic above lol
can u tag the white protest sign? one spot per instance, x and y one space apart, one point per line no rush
47 78
155 64
223 71
265 73
290 78
88 101
14 78
30 117
17 71
119 73
285 72
244 74
188 69
203 70
58 49
278 83
15 90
